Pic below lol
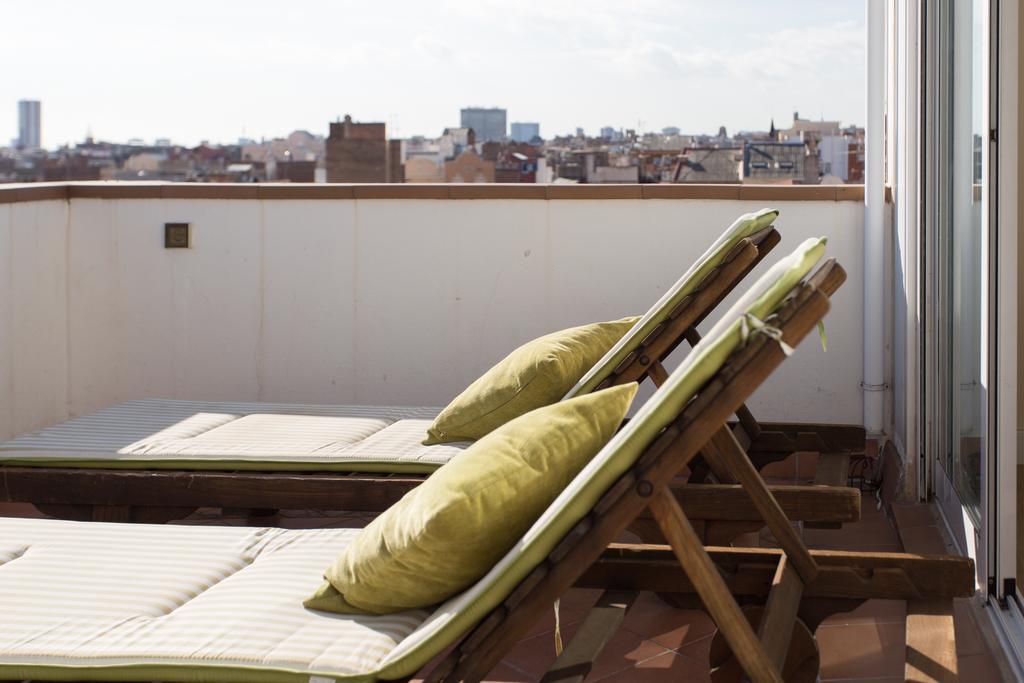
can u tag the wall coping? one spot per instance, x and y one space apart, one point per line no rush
27 192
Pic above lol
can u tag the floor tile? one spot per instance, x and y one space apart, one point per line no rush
661 669
910 515
871 612
862 650
534 655
673 628
924 540
783 469
978 668
969 640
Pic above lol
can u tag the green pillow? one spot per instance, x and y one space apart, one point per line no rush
444 535
538 373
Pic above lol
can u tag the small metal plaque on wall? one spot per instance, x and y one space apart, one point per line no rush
177 235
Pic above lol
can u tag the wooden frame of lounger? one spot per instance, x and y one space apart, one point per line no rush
158 495
793 582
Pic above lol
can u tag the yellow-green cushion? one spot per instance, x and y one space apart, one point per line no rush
536 374
448 532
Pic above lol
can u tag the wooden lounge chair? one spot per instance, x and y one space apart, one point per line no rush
230 608
104 488
787 592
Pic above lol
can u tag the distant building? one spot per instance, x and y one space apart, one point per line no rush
805 129
469 167
359 153
835 156
774 162
709 165
670 130
525 132
294 171
581 165
514 162
488 124
611 134
248 172
616 174
421 169
30 134
454 141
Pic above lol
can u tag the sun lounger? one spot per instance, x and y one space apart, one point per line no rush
87 601
154 459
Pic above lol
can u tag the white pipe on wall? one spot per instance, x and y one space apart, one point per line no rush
874 218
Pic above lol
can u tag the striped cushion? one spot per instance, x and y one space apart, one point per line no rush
207 435
184 601
222 604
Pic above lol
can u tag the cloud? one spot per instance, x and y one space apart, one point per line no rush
432 47
779 55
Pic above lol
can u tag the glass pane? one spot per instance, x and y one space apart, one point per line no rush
967 222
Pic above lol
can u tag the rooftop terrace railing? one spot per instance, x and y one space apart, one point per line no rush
397 294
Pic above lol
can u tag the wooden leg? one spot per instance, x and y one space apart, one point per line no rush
803 660
724 448
708 582
600 625
657 373
931 645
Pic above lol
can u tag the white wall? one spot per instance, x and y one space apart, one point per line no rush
33 315
360 301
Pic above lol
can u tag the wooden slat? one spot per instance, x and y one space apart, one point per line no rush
730 502
240 489
750 424
599 626
810 437
776 628
657 373
749 572
727 451
931 645
715 595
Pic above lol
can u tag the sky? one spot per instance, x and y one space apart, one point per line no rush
218 70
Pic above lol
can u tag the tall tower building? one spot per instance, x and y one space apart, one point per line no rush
488 124
29 124
524 131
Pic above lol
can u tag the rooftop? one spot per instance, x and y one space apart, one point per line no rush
308 293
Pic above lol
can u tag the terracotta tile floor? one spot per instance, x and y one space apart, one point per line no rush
661 643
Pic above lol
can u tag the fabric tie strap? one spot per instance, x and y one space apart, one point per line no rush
558 629
750 325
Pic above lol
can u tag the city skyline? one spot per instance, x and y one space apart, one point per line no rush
270 70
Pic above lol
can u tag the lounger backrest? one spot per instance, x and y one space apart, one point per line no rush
746 225
621 453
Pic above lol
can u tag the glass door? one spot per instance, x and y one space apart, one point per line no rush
966 415
957 147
